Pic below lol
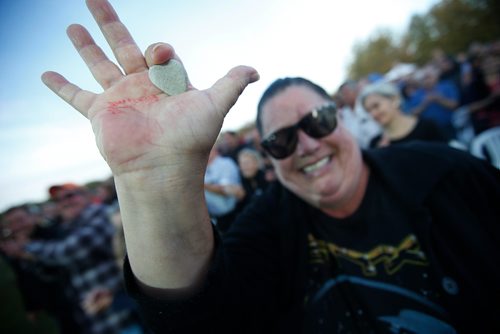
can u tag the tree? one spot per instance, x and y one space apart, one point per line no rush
378 54
451 25
458 23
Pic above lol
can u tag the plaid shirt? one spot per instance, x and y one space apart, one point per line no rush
85 252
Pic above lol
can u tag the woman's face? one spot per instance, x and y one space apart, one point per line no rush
248 165
382 108
322 171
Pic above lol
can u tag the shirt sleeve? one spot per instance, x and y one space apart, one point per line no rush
239 294
79 244
231 175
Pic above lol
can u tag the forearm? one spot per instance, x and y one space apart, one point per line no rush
216 189
478 105
235 190
167 228
446 102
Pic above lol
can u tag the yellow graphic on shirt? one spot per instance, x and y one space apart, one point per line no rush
392 257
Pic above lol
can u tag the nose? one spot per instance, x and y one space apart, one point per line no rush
306 145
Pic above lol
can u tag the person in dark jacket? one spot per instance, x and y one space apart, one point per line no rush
404 238
253 177
383 102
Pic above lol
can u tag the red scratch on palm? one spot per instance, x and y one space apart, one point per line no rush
124 105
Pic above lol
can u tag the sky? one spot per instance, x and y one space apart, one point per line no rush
43 141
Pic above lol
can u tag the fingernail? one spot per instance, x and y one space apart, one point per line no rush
156 47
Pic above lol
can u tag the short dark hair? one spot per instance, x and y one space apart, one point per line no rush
351 84
280 85
22 207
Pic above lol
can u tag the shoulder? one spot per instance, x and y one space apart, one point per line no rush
425 123
431 130
420 166
225 161
447 86
95 216
275 202
439 154
223 165
94 211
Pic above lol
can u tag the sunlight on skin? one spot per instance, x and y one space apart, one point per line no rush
156 145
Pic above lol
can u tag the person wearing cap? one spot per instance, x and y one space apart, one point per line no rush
83 251
39 286
338 245
71 200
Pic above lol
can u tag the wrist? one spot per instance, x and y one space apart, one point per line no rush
162 180
165 217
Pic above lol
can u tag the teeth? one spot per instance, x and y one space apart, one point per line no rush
316 166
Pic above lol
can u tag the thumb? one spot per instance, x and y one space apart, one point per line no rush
225 92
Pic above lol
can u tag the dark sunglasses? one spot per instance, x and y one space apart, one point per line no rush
67 196
319 123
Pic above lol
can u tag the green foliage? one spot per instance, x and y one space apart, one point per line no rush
451 25
375 55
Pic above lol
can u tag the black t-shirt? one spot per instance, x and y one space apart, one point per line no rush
368 273
426 130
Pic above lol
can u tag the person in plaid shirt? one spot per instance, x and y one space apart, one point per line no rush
85 251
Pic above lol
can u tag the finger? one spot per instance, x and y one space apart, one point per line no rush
126 51
160 53
78 98
225 92
103 70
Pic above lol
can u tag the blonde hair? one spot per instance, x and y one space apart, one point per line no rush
384 89
254 154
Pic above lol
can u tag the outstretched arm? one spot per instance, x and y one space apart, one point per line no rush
157 147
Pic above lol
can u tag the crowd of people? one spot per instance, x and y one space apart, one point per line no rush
64 255
450 98
63 259
326 215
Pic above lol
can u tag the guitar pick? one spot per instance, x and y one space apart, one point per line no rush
170 77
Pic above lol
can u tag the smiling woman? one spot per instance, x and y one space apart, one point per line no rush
383 102
300 257
255 26
319 161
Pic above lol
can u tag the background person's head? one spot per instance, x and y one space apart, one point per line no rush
250 162
348 92
105 192
228 142
18 223
323 171
382 101
71 200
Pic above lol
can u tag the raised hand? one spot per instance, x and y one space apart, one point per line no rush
138 127
157 147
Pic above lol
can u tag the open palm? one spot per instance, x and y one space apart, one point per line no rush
138 127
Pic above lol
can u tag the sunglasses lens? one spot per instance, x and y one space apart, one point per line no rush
320 123
282 143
